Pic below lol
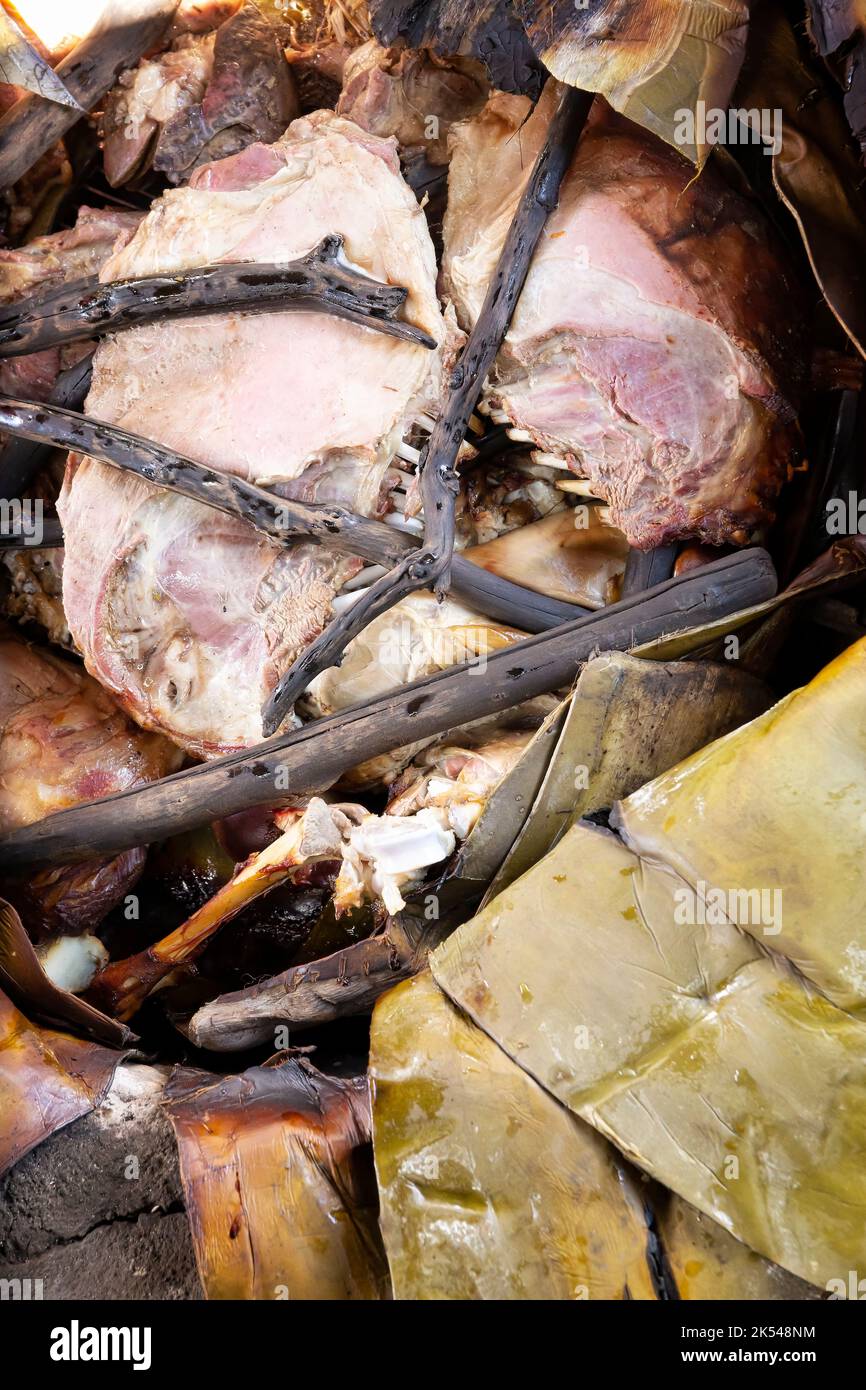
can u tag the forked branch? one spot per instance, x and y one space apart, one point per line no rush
432 566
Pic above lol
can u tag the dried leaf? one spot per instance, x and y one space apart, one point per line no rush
652 61
816 172
24 980
47 1080
273 1170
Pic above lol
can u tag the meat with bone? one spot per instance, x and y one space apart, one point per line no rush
657 344
187 615
48 261
63 740
210 96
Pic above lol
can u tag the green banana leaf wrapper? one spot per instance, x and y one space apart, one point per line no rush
691 1042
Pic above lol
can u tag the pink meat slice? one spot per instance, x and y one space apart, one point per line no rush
657 346
188 615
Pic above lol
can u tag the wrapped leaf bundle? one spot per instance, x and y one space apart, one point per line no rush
489 1189
632 996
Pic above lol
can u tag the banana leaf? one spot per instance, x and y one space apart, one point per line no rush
651 61
841 565
714 1067
488 1188
816 172
47 1080
777 809
25 981
708 1264
280 1202
628 720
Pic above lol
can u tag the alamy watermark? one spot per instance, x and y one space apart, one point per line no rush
22 517
713 125
703 906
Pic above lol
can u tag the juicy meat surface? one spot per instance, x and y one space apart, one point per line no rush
63 740
188 615
657 344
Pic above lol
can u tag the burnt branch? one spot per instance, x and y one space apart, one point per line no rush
281 519
644 568
312 758
347 982
21 458
315 283
23 537
125 33
439 480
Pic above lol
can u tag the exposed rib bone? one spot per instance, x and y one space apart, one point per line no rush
579 486
548 460
284 521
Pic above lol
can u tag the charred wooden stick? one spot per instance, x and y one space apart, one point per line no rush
430 566
280 519
317 282
345 983
21 458
312 758
125 32
644 568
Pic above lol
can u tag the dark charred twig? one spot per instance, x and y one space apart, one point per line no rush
347 982
644 568
282 520
47 536
21 458
317 282
312 758
431 566
34 124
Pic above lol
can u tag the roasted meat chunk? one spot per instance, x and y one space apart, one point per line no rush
657 346
64 740
188 615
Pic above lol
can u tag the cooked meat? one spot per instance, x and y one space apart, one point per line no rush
146 99
411 94
210 96
657 344
48 261
63 740
185 614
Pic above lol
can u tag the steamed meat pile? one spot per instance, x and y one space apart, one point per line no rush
63 740
656 348
185 614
